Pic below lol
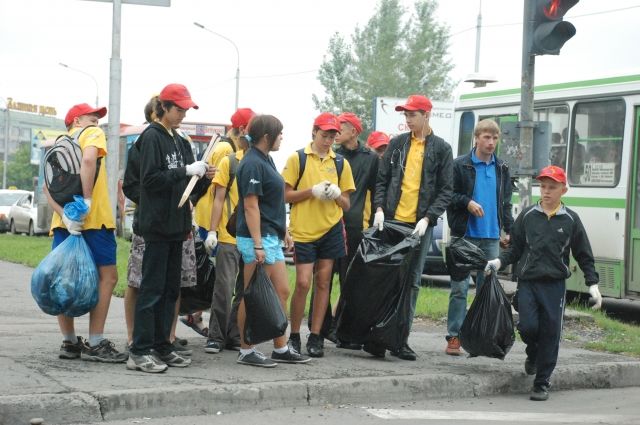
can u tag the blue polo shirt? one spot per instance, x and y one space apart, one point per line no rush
484 193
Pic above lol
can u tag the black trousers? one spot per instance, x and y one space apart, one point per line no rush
157 296
541 309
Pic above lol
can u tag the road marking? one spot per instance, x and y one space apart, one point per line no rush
501 416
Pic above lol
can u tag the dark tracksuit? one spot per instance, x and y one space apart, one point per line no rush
541 245
161 160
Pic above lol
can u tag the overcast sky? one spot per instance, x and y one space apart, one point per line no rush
281 45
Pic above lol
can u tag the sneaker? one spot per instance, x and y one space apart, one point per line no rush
453 346
349 345
193 323
289 356
145 363
294 342
405 353
255 358
174 359
530 367
182 341
104 352
315 345
181 349
212 347
71 350
539 393
374 349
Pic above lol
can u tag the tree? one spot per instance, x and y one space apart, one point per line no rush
20 172
388 57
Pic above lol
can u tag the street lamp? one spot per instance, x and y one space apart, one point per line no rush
85 73
237 56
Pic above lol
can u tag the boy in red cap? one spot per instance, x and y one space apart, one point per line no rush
378 141
541 239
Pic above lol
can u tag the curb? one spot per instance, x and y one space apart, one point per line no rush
209 399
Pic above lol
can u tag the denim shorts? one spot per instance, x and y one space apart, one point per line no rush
270 243
102 244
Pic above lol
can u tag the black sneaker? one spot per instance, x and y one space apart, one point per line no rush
173 359
374 349
181 349
315 345
294 342
212 347
72 350
289 356
349 345
405 353
539 393
104 352
530 367
182 341
255 358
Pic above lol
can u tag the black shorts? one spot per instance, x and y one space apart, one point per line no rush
329 247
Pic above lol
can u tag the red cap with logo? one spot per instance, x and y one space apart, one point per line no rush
352 119
377 139
178 94
416 102
554 173
83 109
241 117
327 121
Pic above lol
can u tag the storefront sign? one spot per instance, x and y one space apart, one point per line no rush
29 107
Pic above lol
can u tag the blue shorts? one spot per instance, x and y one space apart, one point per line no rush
102 244
270 243
330 246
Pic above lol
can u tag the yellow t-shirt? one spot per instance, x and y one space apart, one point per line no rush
312 218
222 180
100 213
408 204
204 206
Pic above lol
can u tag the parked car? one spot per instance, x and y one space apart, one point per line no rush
8 197
23 216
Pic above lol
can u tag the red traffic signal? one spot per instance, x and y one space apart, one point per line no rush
550 32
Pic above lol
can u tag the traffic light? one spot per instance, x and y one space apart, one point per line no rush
550 32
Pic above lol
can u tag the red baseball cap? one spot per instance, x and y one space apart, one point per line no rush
241 117
554 173
416 102
83 109
178 94
377 139
327 121
352 119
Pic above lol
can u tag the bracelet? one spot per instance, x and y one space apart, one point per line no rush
258 248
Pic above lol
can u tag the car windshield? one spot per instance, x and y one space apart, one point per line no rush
8 199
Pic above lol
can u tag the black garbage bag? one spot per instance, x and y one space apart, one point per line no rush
198 298
266 319
376 294
488 328
462 257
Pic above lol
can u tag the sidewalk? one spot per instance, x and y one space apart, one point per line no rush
35 383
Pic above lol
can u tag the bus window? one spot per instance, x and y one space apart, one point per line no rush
465 139
558 117
596 147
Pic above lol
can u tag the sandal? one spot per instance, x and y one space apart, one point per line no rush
189 321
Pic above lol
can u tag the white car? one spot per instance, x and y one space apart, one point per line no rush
23 216
8 197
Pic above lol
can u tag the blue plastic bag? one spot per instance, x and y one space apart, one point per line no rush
77 209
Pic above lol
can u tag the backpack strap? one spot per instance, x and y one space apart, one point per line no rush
338 160
233 166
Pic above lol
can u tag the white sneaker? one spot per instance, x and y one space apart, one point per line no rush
145 363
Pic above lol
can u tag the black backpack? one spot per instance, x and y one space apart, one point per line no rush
62 168
302 159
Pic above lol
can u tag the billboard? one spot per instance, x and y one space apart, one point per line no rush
388 120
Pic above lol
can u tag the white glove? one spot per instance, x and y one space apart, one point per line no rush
211 242
494 264
378 220
88 202
74 227
332 191
198 168
421 227
319 190
594 291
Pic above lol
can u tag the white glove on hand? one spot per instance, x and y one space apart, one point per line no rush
494 264
378 220
421 227
211 242
74 227
198 168
332 191
88 202
594 291
319 191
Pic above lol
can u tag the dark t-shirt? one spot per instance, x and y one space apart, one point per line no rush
257 175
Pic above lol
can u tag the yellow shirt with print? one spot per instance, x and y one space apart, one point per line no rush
222 180
312 218
408 205
204 206
100 213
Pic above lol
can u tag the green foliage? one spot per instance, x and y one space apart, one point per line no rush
20 172
388 57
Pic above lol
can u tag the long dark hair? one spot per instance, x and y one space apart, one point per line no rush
264 125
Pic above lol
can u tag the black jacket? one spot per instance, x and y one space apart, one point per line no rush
162 179
541 246
436 186
464 179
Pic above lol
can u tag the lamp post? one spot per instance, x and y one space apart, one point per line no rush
7 133
237 57
85 73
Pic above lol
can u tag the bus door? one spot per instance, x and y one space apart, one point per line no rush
634 234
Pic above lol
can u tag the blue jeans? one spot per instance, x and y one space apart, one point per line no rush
459 288
416 272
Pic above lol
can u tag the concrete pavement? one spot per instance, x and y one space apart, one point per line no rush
35 383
